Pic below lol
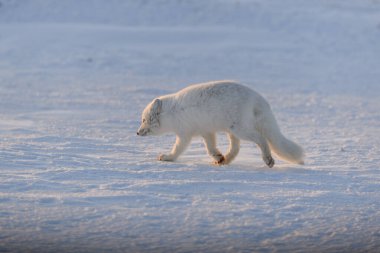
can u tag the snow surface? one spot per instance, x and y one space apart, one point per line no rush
75 76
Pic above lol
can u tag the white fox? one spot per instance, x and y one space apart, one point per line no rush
206 108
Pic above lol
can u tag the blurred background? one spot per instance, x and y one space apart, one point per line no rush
305 44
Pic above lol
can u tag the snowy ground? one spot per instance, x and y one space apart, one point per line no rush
75 76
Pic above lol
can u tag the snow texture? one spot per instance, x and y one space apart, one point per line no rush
75 76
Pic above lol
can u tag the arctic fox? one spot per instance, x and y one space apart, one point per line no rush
206 108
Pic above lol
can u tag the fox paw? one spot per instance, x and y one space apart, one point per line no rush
164 157
269 161
219 159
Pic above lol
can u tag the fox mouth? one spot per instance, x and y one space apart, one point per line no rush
143 132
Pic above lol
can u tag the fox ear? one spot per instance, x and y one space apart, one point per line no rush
156 107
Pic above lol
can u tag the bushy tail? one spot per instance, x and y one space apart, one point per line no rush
281 146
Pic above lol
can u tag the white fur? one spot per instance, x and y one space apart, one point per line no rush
207 108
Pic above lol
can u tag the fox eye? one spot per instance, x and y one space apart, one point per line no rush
144 120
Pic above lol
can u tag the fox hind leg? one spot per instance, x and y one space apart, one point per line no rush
256 137
265 150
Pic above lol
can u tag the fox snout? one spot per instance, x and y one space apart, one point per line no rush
142 131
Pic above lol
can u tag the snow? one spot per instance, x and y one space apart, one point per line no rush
75 76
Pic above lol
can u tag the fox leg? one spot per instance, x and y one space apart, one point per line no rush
265 150
233 150
180 145
257 138
210 143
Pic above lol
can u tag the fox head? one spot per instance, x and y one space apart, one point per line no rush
150 119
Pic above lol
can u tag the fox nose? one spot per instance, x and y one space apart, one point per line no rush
138 133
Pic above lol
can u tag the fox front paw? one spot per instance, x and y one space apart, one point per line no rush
219 159
167 158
